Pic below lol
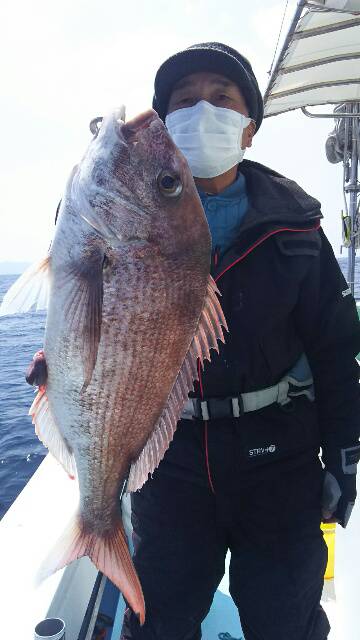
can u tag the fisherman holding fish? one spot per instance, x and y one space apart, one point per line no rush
243 471
134 318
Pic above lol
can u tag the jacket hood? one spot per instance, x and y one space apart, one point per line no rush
276 199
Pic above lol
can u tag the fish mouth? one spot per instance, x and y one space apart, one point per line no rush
129 130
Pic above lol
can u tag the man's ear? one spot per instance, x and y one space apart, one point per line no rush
248 135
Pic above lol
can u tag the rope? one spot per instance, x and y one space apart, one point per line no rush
277 44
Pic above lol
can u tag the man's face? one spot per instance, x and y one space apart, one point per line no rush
214 88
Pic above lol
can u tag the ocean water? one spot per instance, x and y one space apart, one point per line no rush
20 450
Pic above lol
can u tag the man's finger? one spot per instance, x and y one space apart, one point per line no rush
328 517
326 514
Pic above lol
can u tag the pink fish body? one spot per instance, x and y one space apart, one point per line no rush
131 310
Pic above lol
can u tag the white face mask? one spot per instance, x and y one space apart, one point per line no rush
209 137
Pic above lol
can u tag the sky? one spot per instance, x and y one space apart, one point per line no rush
64 63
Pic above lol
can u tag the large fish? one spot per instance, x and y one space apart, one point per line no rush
132 311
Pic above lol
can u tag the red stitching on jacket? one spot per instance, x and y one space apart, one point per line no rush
205 433
260 241
207 457
200 381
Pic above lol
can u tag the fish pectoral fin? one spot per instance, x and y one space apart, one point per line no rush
208 332
108 552
29 291
84 308
49 434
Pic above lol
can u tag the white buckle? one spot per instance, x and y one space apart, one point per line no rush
235 407
283 388
204 410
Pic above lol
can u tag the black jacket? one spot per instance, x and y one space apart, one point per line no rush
283 294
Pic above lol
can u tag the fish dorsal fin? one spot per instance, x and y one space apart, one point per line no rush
49 434
208 332
29 291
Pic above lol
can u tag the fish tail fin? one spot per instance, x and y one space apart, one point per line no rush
109 553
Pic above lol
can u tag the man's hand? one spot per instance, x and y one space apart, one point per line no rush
339 490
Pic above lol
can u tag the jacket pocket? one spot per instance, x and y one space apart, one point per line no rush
279 433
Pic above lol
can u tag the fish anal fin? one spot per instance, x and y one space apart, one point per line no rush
49 434
208 332
109 553
30 290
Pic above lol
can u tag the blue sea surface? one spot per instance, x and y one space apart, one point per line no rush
21 452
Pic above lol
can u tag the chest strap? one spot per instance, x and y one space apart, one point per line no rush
234 407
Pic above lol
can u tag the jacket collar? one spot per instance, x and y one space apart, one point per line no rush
276 205
276 199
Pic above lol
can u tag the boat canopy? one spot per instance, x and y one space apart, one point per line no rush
320 60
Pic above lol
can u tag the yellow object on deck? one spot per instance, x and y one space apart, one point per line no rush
328 530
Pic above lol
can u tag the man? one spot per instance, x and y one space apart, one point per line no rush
243 471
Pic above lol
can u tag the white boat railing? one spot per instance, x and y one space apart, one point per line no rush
28 531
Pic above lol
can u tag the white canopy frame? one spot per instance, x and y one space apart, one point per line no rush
319 60
319 64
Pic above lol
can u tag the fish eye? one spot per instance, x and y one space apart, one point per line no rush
169 184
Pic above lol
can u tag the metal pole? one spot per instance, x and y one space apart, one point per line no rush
353 189
333 115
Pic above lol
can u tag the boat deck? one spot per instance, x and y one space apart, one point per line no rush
223 616
78 593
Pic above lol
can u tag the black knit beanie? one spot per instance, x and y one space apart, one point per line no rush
208 56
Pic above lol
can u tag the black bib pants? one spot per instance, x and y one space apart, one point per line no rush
227 484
